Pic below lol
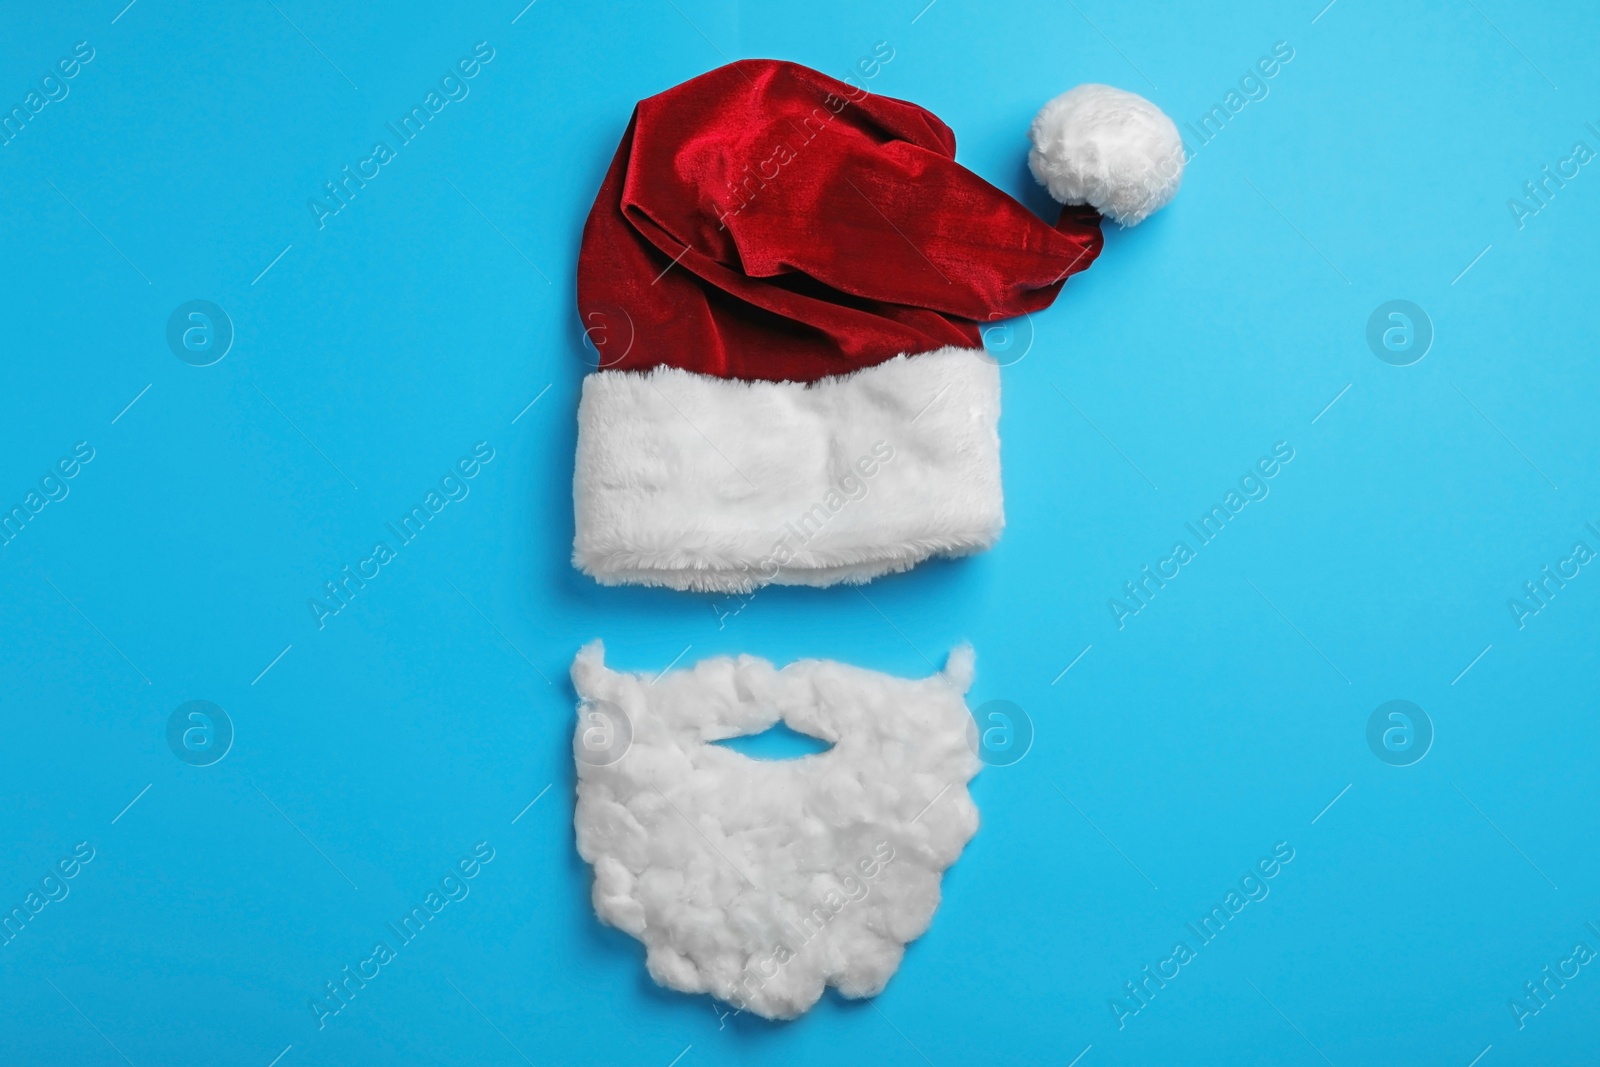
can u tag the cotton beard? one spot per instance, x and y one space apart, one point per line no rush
762 882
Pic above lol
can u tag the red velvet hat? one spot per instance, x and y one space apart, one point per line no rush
785 278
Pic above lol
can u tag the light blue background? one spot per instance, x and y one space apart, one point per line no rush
425 716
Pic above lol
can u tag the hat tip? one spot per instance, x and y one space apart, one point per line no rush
1108 148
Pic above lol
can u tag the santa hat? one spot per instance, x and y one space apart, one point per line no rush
785 278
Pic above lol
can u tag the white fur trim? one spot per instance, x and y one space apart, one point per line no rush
695 482
1109 148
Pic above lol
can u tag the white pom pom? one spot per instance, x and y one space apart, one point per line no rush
1109 148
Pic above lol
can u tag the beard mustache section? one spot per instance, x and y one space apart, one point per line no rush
762 882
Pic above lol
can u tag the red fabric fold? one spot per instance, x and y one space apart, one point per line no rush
766 221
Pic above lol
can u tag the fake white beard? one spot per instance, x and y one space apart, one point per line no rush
761 882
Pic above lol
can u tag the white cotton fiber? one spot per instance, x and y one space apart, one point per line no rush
762 881
1108 148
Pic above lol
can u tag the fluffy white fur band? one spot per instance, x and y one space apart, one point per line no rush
763 881
695 482
1109 148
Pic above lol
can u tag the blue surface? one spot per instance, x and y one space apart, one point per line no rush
1222 719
